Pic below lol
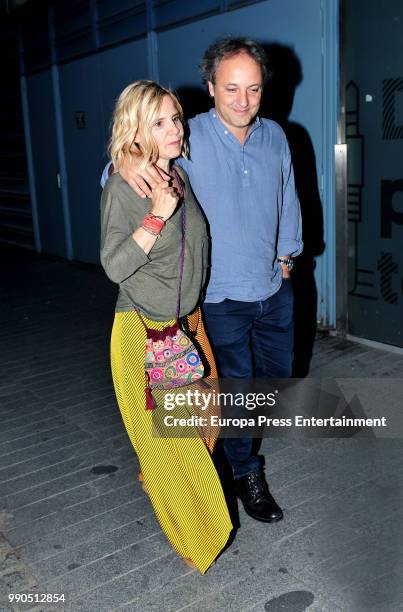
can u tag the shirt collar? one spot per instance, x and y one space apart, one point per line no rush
225 132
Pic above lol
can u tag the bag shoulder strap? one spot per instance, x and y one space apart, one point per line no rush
181 256
182 253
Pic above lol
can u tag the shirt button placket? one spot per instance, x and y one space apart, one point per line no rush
245 170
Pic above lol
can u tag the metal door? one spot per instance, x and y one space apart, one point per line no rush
80 93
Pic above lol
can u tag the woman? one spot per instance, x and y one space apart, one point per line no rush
141 251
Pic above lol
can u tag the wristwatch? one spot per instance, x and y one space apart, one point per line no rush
286 261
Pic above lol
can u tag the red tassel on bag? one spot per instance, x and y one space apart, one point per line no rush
150 402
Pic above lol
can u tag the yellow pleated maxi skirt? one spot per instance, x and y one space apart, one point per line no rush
179 474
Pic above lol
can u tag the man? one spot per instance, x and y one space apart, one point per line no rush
240 170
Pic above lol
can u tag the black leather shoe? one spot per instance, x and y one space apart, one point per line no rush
257 500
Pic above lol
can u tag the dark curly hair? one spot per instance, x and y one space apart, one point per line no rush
227 47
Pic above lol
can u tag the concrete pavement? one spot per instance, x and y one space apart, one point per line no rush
74 520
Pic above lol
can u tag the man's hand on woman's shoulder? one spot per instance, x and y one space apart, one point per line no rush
142 181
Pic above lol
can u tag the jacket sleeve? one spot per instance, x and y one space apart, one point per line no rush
290 228
121 256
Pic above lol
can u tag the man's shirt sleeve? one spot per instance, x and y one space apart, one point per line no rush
290 227
105 174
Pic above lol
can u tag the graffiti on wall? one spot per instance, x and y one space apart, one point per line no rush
364 281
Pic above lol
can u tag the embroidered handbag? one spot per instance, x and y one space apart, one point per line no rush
171 358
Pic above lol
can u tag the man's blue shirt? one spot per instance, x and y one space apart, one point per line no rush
248 195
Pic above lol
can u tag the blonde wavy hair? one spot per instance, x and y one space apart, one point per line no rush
136 110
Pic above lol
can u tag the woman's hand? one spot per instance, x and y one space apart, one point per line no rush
164 200
141 181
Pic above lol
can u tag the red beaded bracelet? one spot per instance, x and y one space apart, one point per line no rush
153 224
